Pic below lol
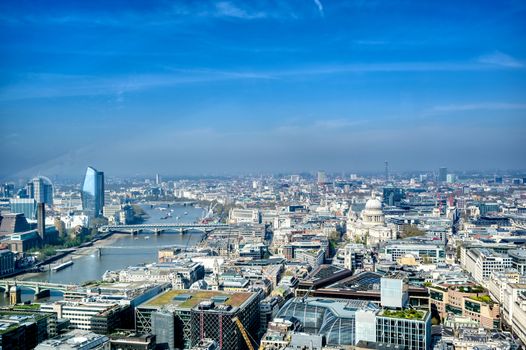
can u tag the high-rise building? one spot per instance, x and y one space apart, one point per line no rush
451 178
322 178
386 171
442 174
41 220
393 195
41 189
92 193
7 190
157 179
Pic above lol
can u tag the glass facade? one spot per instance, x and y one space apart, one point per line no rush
93 192
406 333
335 320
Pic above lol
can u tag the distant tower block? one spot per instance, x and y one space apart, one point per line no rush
386 170
41 220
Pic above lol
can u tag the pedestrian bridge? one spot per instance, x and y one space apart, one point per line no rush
40 288
158 228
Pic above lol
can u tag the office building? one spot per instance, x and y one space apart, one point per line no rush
41 190
466 300
393 195
21 329
199 314
422 251
393 291
322 177
407 329
518 260
7 262
76 340
96 316
92 193
451 178
481 262
442 174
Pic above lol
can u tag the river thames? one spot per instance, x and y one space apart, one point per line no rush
123 250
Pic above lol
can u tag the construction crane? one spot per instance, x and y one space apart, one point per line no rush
243 332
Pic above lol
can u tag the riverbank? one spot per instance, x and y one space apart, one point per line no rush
75 254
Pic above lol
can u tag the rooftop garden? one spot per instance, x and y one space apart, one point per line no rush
482 298
471 289
27 307
410 314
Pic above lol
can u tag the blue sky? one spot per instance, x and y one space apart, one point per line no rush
213 87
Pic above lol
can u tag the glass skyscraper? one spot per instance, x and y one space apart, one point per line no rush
92 193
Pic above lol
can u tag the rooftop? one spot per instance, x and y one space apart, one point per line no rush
410 314
188 299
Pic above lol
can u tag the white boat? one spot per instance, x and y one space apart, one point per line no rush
147 237
62 266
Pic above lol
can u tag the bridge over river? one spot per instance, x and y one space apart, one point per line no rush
158 228
41 289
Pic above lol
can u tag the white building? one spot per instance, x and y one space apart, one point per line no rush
251 216
482 262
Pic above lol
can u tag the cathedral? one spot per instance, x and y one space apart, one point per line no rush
370 227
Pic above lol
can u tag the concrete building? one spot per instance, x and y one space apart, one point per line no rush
407 329
196 315
96 316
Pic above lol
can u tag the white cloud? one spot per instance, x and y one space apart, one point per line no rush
500 59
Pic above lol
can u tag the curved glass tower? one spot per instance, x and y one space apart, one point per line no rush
92 193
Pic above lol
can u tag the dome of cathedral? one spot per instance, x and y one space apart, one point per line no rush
373 204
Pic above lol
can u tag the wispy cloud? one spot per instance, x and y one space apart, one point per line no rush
481 106
319 5
501 59
228 9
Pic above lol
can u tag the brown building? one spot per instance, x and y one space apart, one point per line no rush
468 300
13 223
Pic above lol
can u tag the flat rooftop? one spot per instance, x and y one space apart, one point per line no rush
187 299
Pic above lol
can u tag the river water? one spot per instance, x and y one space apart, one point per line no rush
124 250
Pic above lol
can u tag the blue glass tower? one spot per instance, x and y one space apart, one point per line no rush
93 192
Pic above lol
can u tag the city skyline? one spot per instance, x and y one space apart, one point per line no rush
221 87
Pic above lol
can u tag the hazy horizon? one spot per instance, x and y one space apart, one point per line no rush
226 87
